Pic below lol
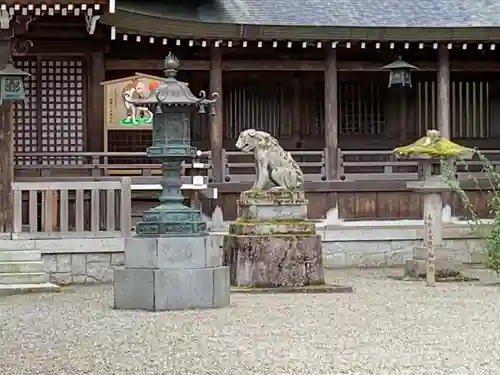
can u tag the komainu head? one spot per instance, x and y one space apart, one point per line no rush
250 139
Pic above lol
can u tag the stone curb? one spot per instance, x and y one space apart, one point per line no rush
311 289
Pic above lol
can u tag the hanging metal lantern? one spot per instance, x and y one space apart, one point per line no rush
400 73
12 84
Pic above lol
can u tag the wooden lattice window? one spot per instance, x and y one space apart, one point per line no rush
130 141
361 108
62 110
25 115
257 107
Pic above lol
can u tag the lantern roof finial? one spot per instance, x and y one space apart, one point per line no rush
171 65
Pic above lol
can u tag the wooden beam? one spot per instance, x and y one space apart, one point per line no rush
443 87
141 65
331 115
68 48
216 121
6 145
299 65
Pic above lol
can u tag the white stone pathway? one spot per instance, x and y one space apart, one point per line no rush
385 327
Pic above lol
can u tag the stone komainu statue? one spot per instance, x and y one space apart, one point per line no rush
275 167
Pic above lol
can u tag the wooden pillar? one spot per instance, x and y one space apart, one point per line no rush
217 121
95 109
443 88
331 115
403 114
6 145
296 113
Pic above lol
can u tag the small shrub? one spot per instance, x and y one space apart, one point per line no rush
492 246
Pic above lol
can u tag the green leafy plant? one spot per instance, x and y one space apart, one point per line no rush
492 238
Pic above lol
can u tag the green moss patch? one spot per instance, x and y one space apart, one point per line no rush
433 145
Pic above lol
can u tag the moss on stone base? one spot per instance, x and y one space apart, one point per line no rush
433 145
277 197
241 220
278 227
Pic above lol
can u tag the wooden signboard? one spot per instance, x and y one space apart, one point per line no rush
120 115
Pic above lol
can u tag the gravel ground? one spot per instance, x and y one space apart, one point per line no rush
385 327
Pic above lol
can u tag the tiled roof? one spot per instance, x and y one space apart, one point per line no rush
355 13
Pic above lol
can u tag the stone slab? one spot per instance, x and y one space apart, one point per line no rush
417 267
441 252
184 289
20 255
430 186
24 278
133 289
17 245
171 289
309 289
13 289
169 252
242 227
274 260
273 211
222 295
22 267
79 245
274 197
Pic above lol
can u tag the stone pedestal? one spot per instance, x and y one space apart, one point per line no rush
171 273
272 243
432 188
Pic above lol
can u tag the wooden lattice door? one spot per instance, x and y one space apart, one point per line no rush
25 115
52 119
62 97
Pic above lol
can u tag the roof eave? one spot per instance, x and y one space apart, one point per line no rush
142 24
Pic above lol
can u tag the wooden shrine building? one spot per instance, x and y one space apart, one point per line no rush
311 76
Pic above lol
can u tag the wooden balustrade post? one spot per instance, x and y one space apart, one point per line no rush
126 206
216 121
443 83
6 145
331 115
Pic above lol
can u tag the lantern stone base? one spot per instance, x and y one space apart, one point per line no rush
444 262
171 273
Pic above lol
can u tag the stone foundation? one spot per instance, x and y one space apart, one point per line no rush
84 258
86 268
170 273
274 260
272 244
445 260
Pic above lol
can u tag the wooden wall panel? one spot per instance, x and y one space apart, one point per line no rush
384 205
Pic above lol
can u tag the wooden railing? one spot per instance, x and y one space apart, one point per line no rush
240 167
79 206
237 166
99 164
384 165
